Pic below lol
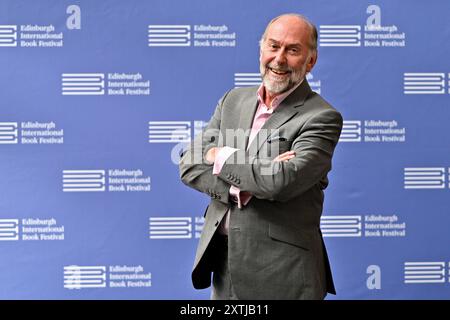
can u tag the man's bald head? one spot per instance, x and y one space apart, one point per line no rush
291 18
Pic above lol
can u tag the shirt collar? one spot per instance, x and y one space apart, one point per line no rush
278 99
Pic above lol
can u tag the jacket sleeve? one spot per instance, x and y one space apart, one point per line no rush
282 181
195 172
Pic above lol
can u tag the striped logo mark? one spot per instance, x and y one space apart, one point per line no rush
169 131
424 178
247 80
9 229
8 132
8 36
340 36
79 277
351 131
83 84
83 180
424 272
341 226
423 83
170 227
169 35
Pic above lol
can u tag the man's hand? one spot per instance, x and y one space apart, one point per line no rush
211 154
285 156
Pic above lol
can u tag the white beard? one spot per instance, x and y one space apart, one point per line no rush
278 87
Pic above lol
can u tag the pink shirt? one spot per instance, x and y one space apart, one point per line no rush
262 114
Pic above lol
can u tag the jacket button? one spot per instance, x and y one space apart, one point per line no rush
217 223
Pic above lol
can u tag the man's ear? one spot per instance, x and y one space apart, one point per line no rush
311 62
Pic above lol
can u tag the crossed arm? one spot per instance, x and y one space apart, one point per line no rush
280 179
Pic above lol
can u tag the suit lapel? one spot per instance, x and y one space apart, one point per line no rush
247 113
285 111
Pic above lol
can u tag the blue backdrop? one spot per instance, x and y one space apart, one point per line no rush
98 98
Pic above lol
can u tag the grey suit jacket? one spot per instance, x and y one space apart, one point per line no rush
276 250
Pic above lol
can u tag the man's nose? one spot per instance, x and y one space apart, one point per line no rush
280 57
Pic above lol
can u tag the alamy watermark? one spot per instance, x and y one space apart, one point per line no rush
260 152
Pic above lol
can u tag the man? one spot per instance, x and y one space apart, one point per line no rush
261 238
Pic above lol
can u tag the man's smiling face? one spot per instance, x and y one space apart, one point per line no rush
285 55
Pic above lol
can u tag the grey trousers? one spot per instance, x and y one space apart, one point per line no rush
222 287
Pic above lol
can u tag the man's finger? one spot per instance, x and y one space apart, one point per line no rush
284 157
